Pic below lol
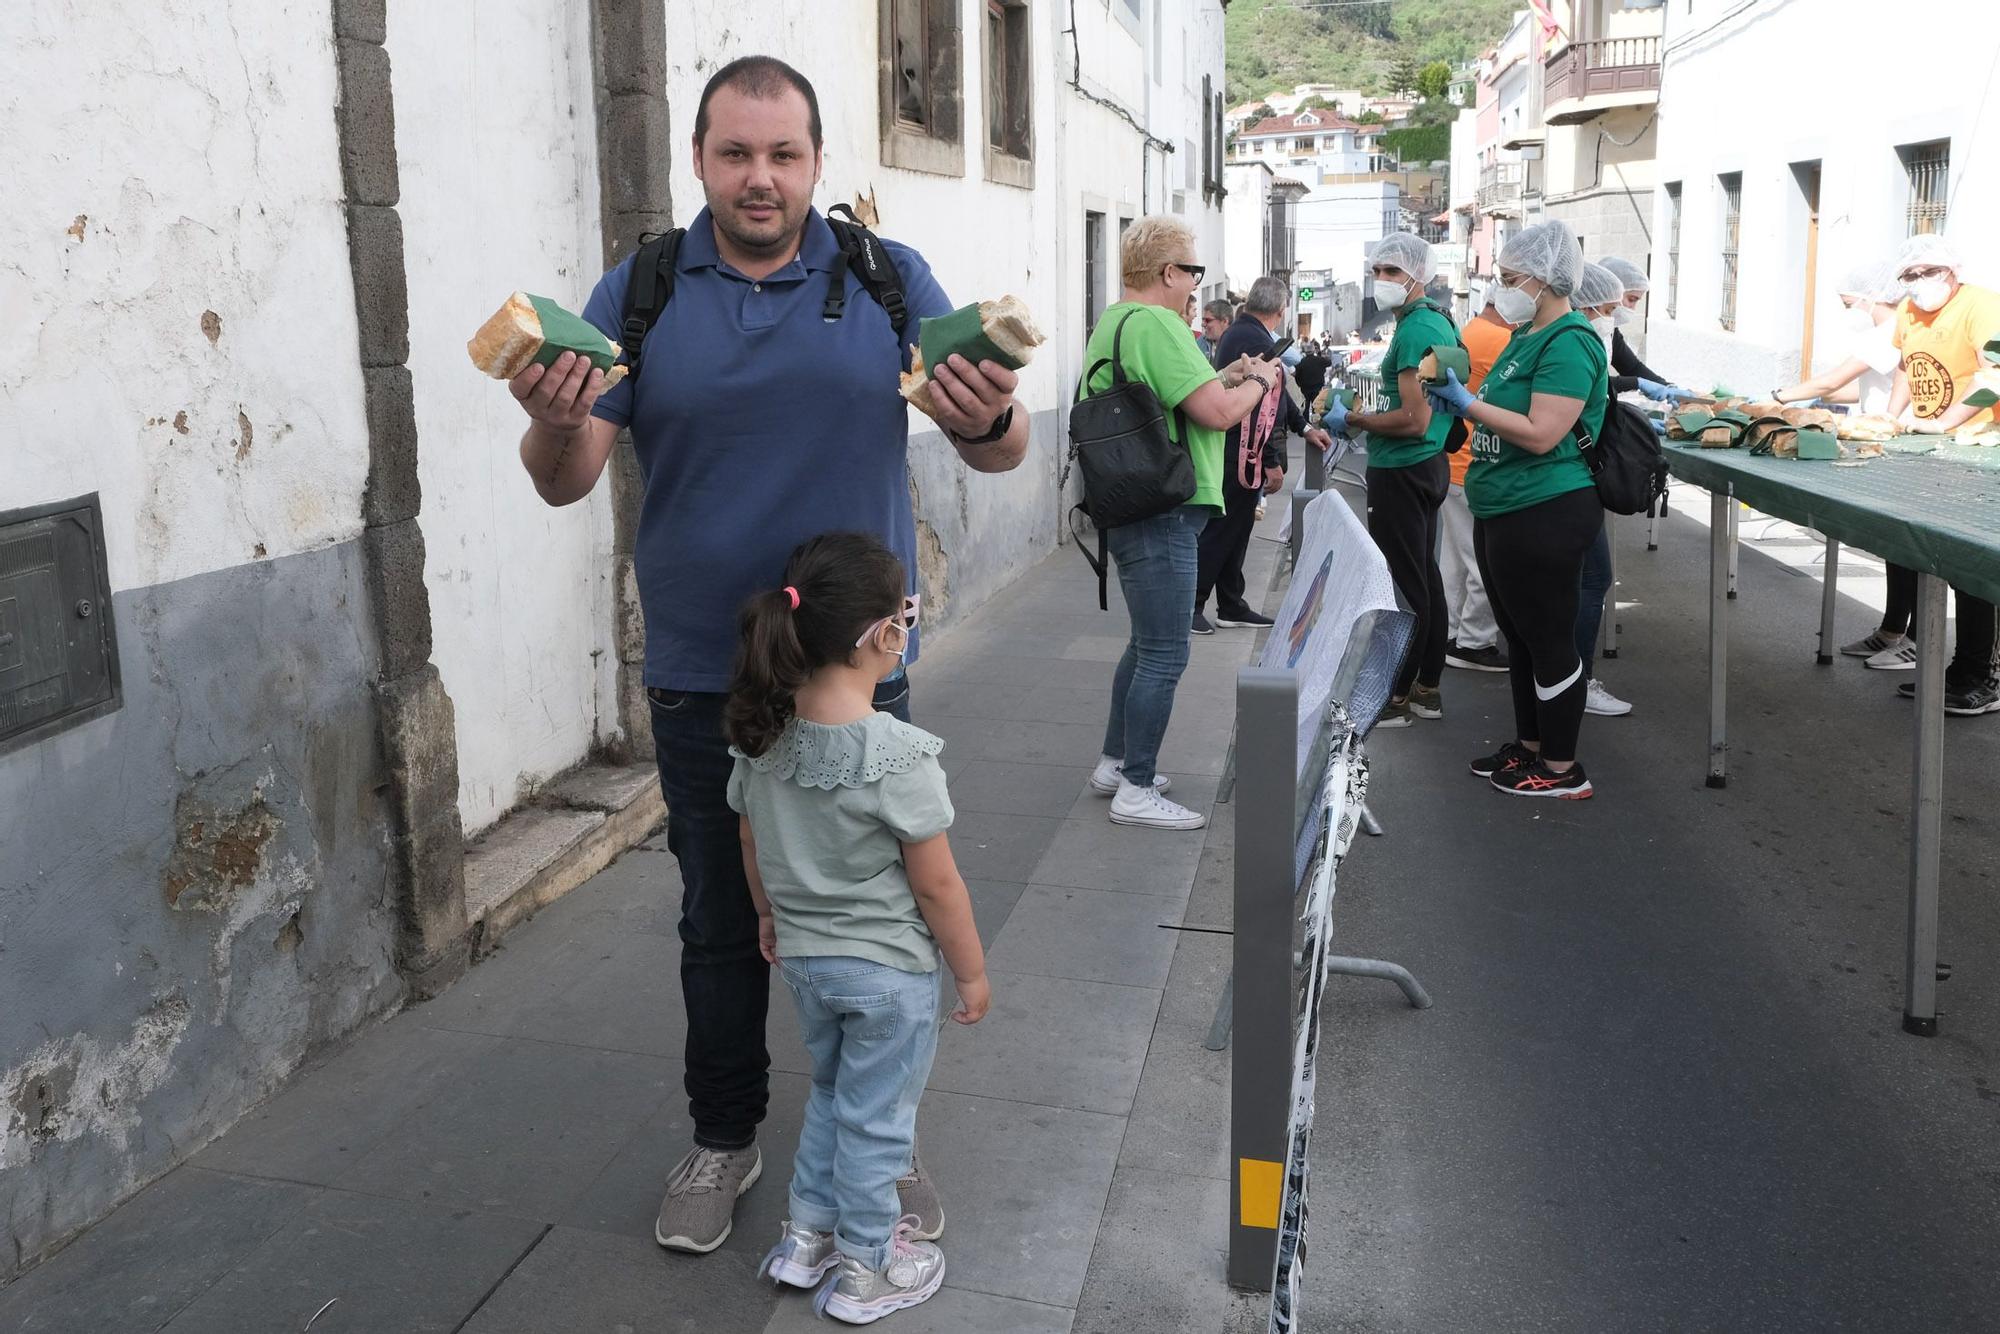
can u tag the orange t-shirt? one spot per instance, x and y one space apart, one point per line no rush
1484 341
1941 350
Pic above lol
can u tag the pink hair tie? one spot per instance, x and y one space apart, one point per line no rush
793 594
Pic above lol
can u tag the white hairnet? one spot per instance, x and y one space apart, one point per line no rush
1596 286
1879 281
1547 250
1408 252
1628 273
1929 249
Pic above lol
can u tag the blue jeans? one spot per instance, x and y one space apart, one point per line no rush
1590 601
725 983
871 1031
1157 564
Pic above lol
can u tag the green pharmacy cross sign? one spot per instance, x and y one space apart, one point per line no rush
1305 294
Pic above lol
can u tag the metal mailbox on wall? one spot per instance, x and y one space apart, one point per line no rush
58 648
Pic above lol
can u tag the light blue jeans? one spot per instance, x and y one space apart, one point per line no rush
871 1031
1157 564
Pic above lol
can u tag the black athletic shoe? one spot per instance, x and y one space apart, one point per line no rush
1509 757
1538 780
1244 620
1201 625
1492 658
1964 701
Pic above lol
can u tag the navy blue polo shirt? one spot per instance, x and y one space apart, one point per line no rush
758 425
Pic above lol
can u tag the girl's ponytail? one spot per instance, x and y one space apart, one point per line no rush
771 666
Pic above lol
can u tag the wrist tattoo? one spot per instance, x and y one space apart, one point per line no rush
555 466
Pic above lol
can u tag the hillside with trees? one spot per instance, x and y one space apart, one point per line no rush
1377 47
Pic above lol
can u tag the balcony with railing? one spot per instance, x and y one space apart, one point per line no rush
1585 79
1501 187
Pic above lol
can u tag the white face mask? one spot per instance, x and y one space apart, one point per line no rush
1604 325
1390 296
1624 315
1513 305
1859 319
1930 293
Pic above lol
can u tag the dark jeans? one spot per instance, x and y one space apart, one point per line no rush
725 983
1972 661
1590 608
1532 562
1224 543
1403 519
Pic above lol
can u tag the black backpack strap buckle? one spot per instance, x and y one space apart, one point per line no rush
649 289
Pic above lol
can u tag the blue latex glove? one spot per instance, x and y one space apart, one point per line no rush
1664 393
1335 419
1451 397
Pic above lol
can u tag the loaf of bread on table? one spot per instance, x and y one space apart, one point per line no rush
1870 426
529 329
1000 331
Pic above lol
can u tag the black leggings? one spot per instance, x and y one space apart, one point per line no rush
1532 562
1403 519
1972 661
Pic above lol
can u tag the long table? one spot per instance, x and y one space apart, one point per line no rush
1935 509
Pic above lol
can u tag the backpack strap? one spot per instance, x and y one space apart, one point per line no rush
863 251
648 290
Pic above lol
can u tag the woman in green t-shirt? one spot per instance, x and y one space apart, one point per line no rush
1157 557
1535 510
1408 476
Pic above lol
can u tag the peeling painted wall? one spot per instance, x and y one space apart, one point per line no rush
193 889
495 132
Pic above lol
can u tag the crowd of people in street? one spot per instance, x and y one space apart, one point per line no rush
810 817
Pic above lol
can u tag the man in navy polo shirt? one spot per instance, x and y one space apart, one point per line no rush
757 424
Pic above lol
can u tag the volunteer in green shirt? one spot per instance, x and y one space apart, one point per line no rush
1535 510
1156 557
1408 475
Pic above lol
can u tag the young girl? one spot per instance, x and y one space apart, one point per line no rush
844 813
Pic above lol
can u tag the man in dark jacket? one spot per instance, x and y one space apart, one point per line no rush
1253 464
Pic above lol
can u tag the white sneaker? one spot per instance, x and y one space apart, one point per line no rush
1598 700
1145 806
1104 779
1898 657
1875 643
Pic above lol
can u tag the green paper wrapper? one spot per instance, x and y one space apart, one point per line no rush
1818 445
1444 357
961 332
563 332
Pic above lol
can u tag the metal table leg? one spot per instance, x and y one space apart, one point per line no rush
1735 515
1653 523
1607 635
1926 806
1721 565
1828 597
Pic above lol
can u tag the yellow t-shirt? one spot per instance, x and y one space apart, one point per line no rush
1941 350
1484 341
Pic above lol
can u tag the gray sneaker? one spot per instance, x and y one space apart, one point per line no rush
700 1206
801 1257
858 1295
919 1200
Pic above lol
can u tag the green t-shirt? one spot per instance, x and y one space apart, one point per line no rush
830 808
1419 328
1567 359
1159 349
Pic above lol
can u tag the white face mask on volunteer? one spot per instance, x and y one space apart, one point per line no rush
1930 293
1604 324
1390 295
1623 316
1513 305
1858 319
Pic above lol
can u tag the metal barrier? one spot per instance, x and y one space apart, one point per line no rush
1300 794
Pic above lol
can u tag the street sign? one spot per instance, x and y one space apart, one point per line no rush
1305 294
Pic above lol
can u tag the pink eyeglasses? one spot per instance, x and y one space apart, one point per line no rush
905 620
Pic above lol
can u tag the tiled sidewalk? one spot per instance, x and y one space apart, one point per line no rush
492 1161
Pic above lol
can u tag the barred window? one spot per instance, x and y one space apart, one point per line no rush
921 43
1929 169
1673 247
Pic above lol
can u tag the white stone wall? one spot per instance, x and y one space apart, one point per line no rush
177 338
1900 93
495 134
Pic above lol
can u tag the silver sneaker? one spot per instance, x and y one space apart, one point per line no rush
801 1257
919 1200
858 1295
700 1206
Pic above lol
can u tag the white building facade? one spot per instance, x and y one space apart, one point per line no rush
1764 202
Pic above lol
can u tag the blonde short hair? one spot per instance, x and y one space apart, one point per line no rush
1149 245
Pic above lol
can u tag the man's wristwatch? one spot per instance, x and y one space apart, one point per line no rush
994 433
